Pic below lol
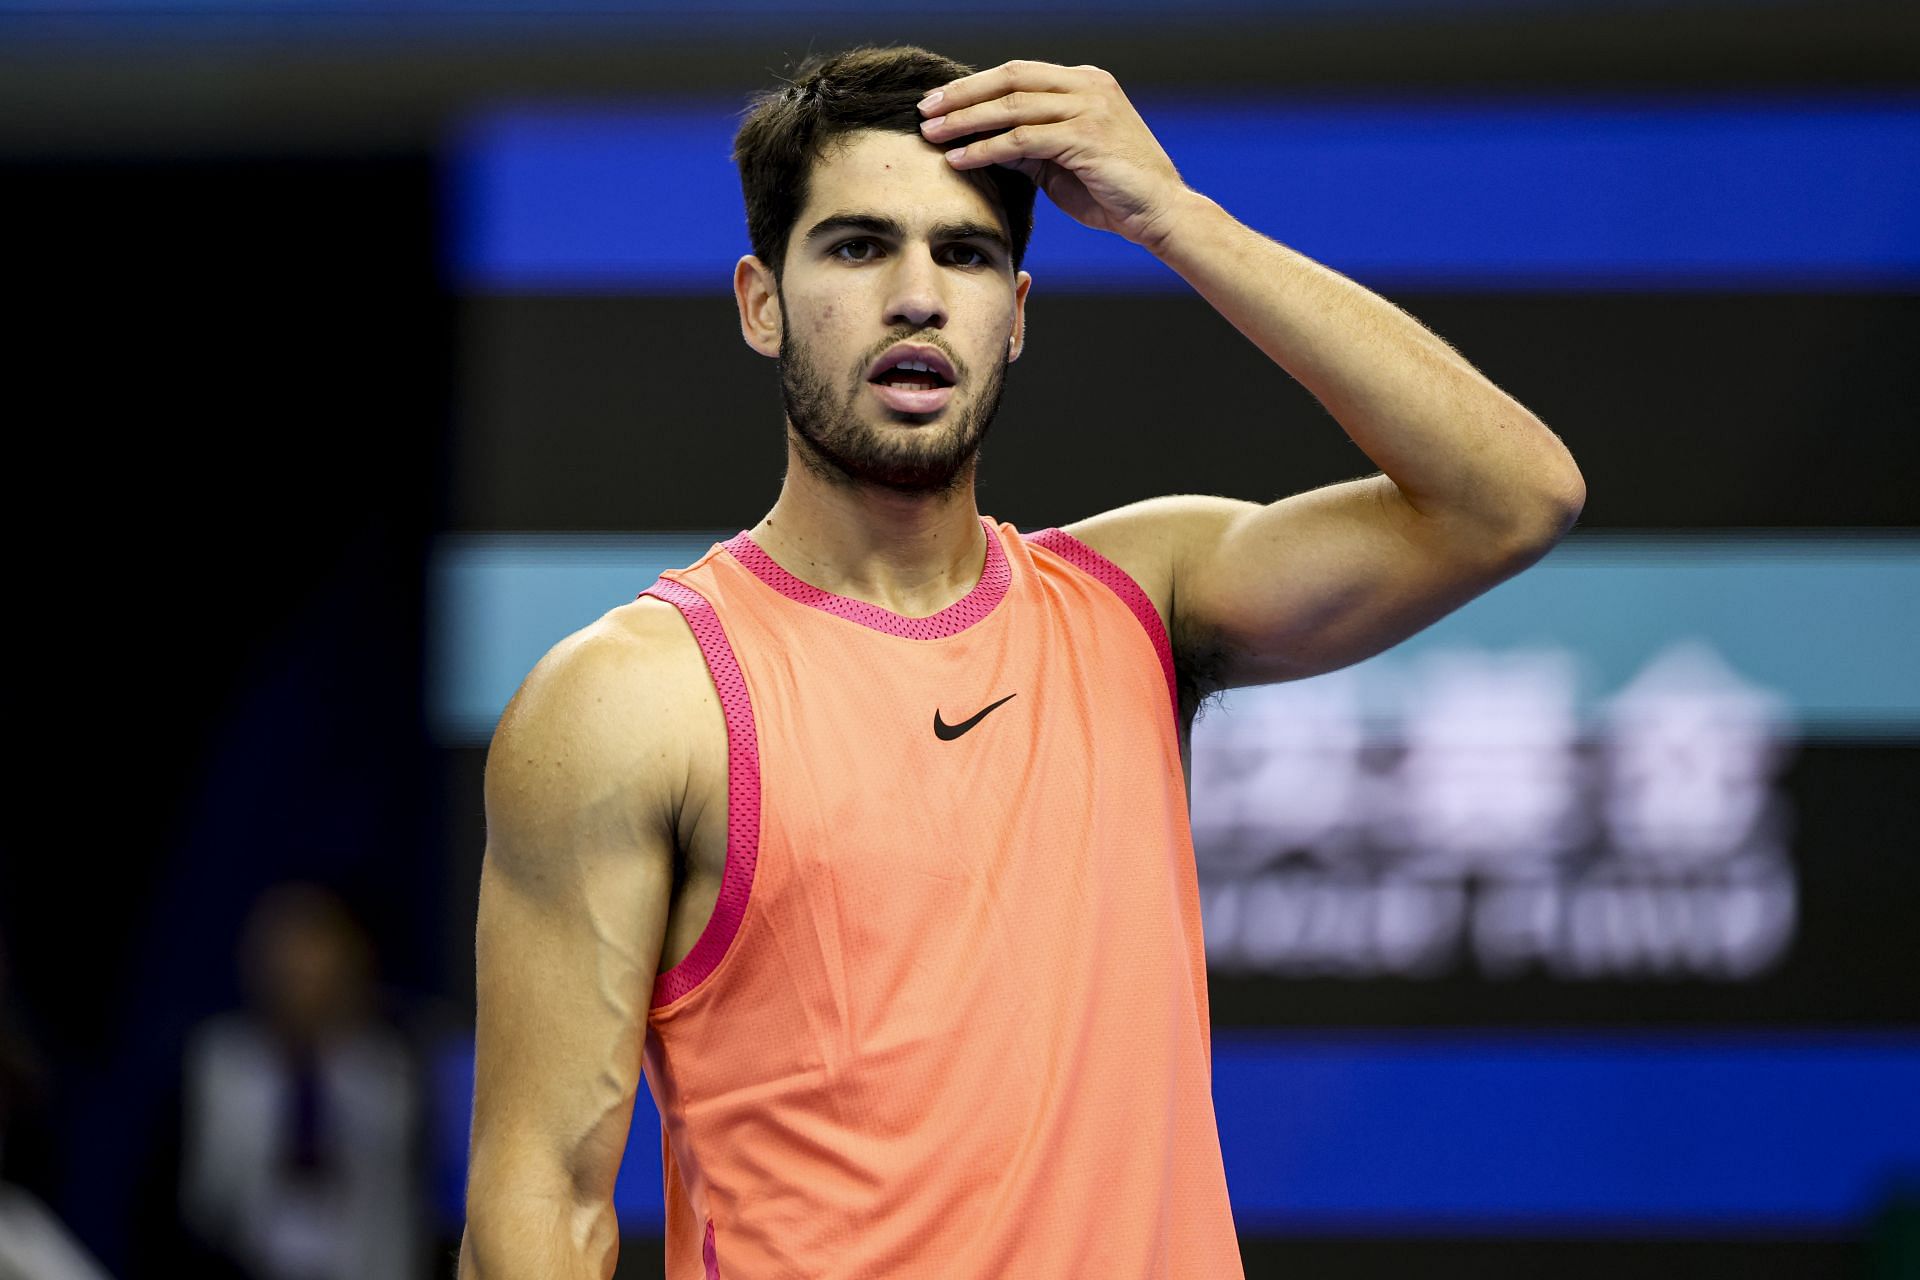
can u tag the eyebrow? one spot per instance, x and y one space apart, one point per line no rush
877 224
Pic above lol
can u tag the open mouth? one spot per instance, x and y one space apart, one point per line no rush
920 393
911 380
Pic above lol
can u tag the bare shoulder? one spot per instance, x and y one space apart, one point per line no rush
1147 538
603 719
585 778
1152 541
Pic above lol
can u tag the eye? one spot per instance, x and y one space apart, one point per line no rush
835 251
983 260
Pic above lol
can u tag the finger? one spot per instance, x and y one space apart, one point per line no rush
997 82
1022 142
1016 108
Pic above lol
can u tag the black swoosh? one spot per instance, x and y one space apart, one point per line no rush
948 732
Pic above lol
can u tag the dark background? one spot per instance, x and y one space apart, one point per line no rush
248 399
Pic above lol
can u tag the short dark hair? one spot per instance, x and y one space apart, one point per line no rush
831 96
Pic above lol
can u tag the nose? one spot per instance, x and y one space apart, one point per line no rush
914 295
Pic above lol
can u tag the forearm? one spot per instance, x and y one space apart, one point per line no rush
1454 444
538 1238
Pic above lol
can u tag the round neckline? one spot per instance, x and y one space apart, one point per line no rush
995 576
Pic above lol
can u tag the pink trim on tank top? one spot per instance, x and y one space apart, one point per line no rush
1087 560
707 1254
955 618
743 792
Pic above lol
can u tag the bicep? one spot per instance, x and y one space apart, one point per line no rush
565 973
1322 579
574 894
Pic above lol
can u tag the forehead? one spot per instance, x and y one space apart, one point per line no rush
895 175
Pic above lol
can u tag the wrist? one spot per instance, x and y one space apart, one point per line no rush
1176 225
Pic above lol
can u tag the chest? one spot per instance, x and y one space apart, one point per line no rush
874 771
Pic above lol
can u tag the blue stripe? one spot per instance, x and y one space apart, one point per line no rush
497 602
1472 1133
1596 194
1826 623
1567 1133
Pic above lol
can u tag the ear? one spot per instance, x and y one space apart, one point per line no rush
1017 341
759 302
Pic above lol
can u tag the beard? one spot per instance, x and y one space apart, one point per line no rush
851 449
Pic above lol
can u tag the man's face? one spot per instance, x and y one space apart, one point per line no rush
851 293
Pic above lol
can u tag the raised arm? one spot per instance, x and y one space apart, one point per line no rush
574 895
1472 488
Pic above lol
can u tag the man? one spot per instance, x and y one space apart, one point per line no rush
297 1157
930 999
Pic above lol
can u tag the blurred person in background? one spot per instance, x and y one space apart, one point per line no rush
299 1144
33 1243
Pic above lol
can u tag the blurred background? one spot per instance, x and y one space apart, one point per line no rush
364 349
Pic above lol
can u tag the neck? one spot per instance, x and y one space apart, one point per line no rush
912 554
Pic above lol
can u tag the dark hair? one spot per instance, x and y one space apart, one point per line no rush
830 97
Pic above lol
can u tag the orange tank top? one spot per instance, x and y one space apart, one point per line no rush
949 1016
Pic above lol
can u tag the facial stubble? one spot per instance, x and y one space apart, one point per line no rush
848 449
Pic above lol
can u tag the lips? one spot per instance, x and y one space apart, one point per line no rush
900 398
901 352
907 399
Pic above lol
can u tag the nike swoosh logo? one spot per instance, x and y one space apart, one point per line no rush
948 732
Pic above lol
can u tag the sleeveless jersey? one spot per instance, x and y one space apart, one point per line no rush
949 1017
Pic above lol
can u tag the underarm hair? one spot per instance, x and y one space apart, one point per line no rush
1199 659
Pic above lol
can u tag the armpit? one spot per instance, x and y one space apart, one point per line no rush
1199 664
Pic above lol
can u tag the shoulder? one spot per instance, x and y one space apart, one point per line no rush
1151 541
221 1038
604 718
